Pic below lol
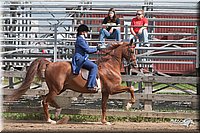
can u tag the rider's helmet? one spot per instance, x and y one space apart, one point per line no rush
82 28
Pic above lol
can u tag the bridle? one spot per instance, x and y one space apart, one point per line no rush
130 47
129 54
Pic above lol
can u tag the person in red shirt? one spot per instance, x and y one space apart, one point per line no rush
139 29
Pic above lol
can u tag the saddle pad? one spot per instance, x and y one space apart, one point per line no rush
85 73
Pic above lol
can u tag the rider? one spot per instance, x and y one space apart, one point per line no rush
80 57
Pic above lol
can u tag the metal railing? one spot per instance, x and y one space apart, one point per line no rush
47 34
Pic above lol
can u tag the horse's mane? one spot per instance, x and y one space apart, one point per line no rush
109 51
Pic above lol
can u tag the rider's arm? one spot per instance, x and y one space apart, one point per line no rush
84 45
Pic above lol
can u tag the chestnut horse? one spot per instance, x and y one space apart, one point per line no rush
59 77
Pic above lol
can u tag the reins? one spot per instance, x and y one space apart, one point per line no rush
130 63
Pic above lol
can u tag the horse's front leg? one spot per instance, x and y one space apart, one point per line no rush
105 96
120 89
132 101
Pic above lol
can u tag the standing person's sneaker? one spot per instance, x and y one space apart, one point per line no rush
102 45
146 45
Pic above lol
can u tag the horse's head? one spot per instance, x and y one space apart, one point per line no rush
129 53
120 50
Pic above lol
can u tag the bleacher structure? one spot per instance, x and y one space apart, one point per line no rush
46 28
36 28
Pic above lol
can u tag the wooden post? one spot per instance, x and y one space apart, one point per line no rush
11 84
197 60
11 79
148 90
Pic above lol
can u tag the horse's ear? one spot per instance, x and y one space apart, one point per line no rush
131 43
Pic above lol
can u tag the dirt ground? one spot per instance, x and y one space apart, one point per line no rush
122 127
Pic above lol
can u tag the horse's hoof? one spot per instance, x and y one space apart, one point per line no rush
107 123
51 121
64 120
128 106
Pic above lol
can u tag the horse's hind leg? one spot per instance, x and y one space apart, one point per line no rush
49 100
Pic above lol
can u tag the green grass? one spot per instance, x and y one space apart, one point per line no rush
22 116
82 118
182 86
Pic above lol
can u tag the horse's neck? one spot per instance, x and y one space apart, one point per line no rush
117 56
115 59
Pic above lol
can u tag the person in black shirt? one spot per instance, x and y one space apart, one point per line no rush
110 27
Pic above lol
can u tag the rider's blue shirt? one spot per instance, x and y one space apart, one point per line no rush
82 50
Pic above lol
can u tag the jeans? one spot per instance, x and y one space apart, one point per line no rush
105 34
93 70
142 38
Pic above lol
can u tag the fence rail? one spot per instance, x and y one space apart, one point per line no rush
123 96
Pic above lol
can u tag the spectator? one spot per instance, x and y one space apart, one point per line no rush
110 27
139 29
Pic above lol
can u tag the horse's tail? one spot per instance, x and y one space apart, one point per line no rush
36 68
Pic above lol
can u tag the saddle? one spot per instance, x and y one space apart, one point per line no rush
84 73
